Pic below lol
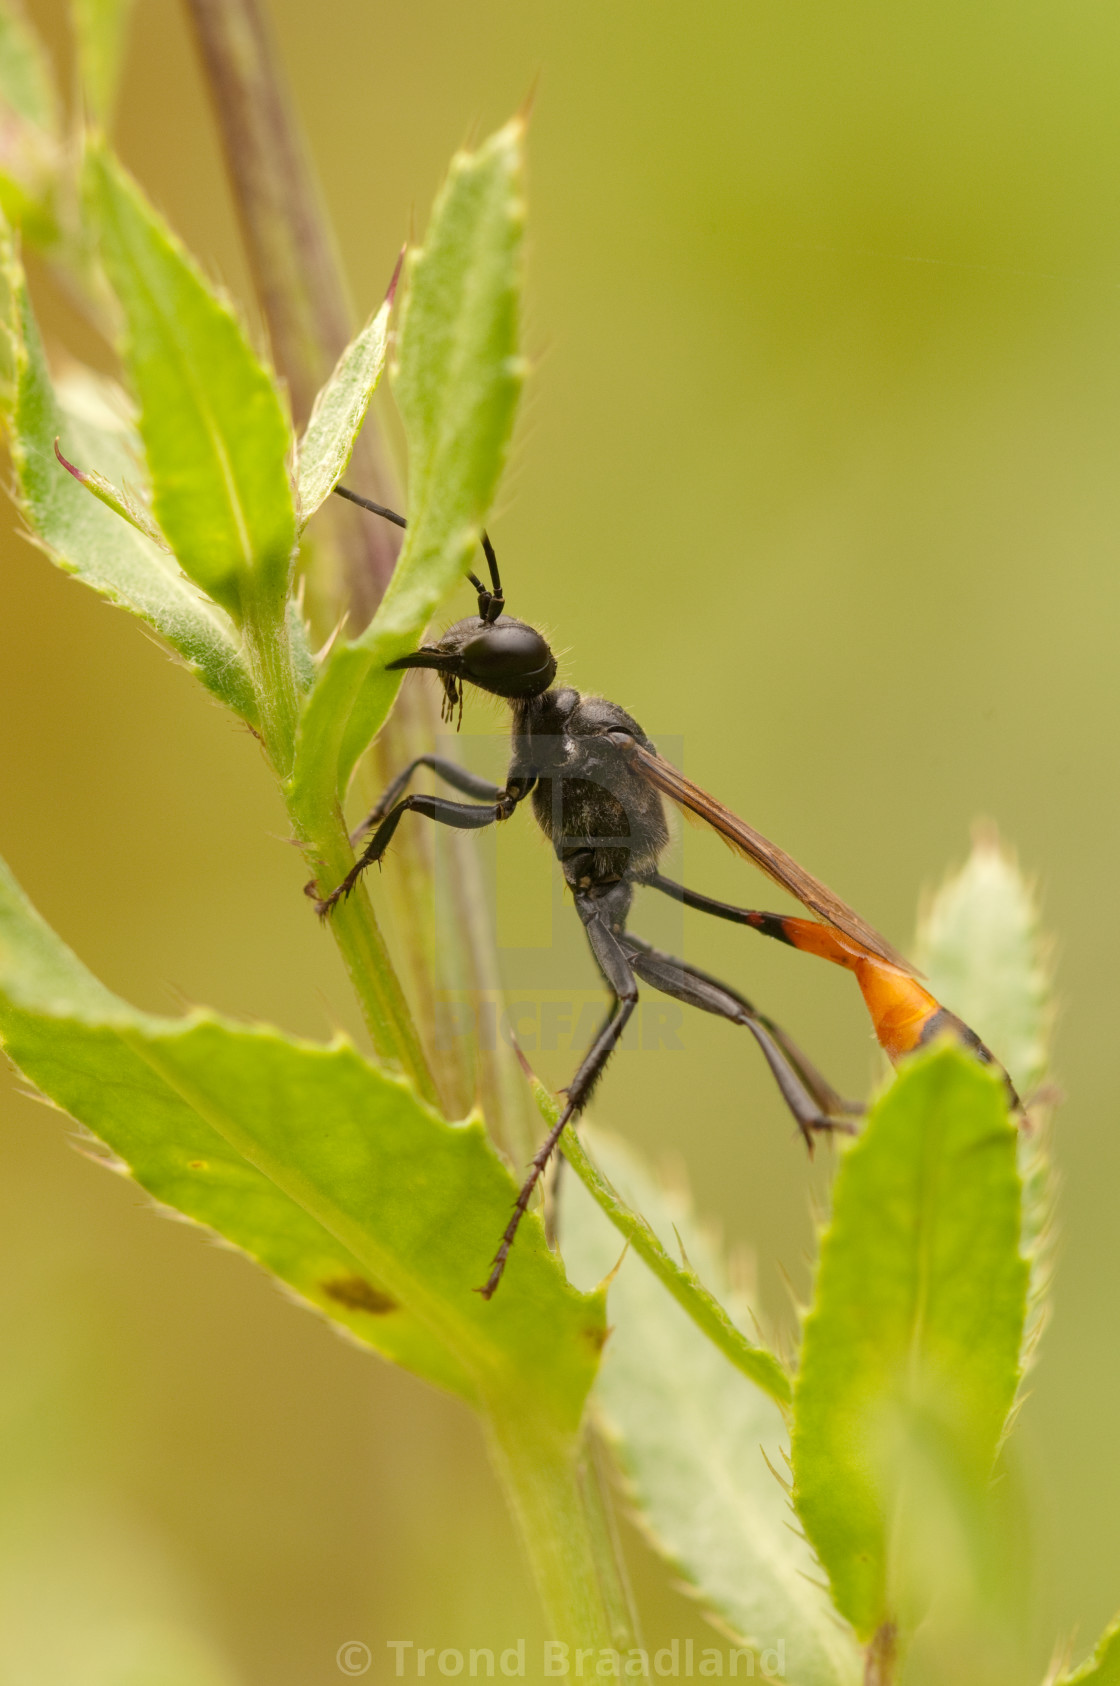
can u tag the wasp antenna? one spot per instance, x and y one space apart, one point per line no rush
492 564
374 508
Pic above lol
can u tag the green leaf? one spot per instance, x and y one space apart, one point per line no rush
13 305
1103 1667
339 412
82 536
681 1280
30 128
214 429
456 383
326 1170
692 1437
100 35
458 376
979 942
26 83
123 502
910 1359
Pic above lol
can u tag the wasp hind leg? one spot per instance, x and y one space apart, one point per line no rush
816 1106
614 963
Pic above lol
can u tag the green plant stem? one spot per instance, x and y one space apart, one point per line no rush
365 955
505 1104
268 648
880 1657
571 1552
323 834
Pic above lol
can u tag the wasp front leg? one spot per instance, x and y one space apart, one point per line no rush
461 816
467 783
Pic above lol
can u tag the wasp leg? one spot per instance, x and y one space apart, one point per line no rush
814 1103
822 1091
614 965
470 784
462 816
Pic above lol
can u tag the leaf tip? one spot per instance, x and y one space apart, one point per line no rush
525 109
506 143
67 465
519 1055
398 266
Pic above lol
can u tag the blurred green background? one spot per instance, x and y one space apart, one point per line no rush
817 475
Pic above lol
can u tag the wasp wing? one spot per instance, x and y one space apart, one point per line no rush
771 860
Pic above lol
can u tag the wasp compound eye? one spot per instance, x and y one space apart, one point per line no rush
510 659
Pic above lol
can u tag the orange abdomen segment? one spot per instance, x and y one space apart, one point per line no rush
902 1012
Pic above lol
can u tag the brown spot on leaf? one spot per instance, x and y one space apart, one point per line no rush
597 1336
356 1294
197 1165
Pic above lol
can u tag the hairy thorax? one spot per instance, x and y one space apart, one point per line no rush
603 820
